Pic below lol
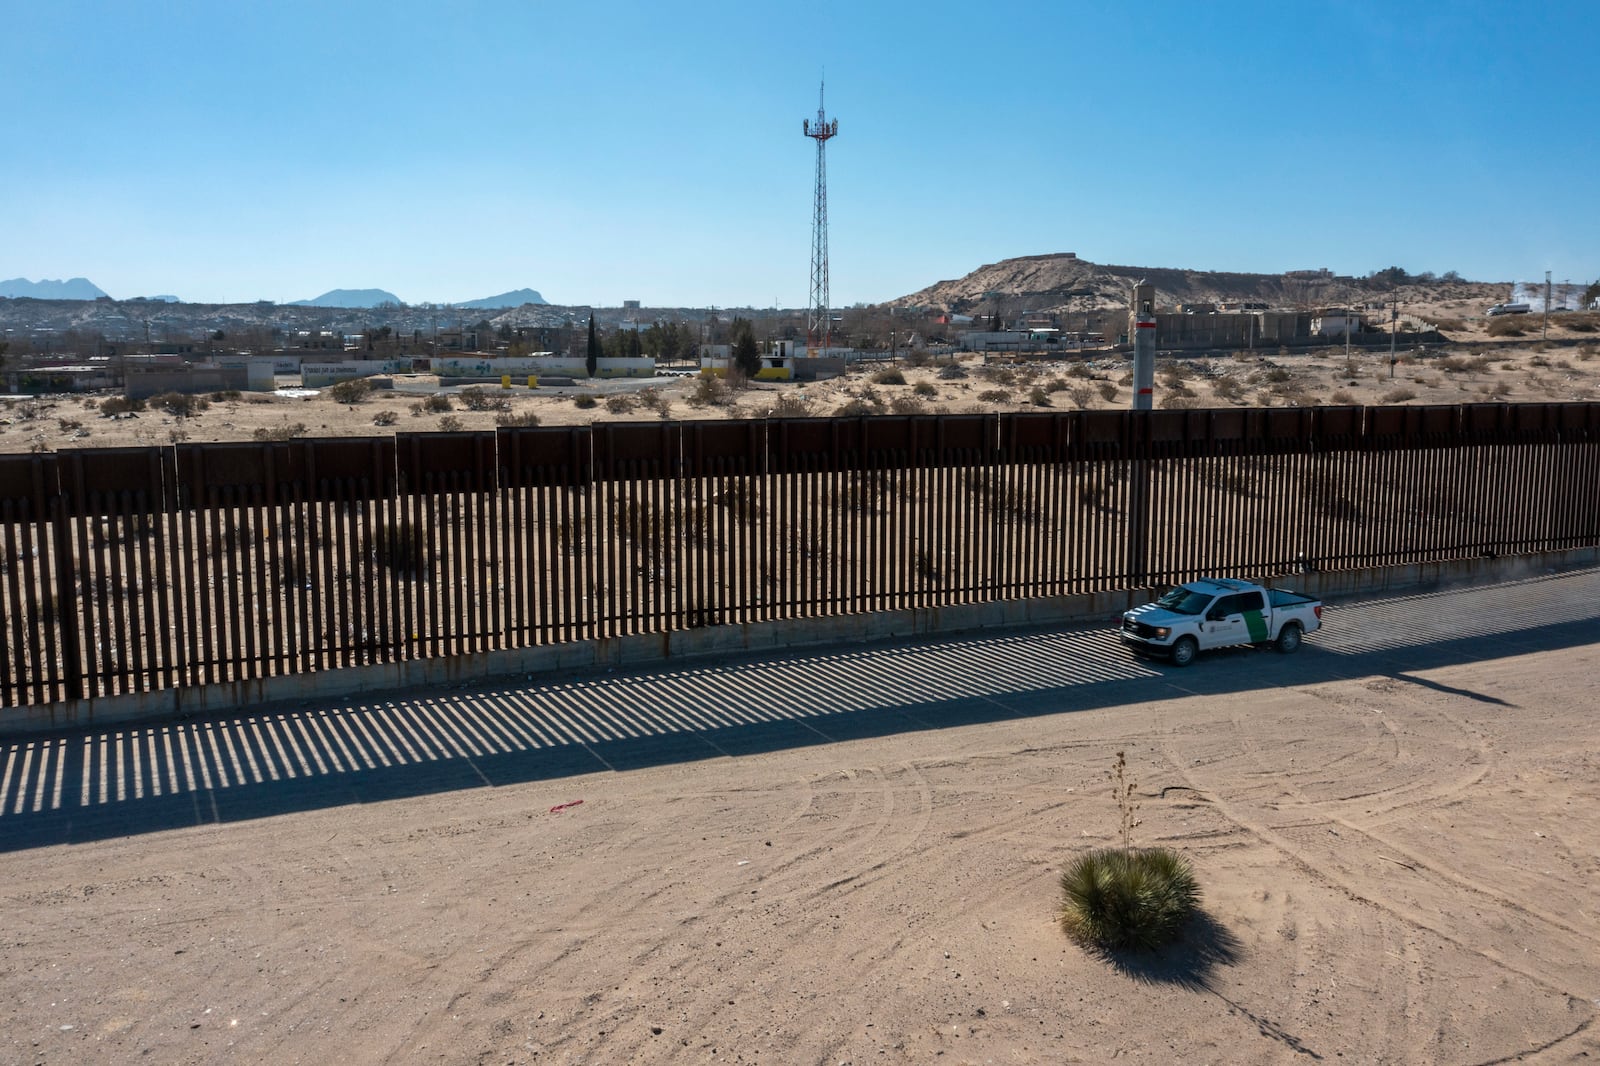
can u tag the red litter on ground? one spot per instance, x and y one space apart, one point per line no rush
558 808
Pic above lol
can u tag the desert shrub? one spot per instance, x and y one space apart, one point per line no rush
924 389
113 406
1342 398
1079 370
655 400
908 405
480 399
1108 391
998 375
1177 401
1038 397
585 401
1226 387
789 405
404 549
918 357
709 391
282 431
952 372
437 404
1449 325
620 403
1140 899
854 407
1497 391
519 420
227 396
350 391
1400 395
1577 321
1506 326
386 418
888 376
1081 396
1271 375
1057 384
995 396
180 404
451 424
1126 897
68 425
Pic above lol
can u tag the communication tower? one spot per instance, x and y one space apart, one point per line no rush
819 319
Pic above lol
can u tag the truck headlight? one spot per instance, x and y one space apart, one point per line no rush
1163 632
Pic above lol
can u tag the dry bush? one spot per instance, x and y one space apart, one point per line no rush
994 396
1079 370
1449 325
351 391
1056 384
282 431
1175 401
888 376
908 405
1108 391
1081 396
1226 387
925 389
1038 397
789 405
998 375
386 418
518 420
1507 326
1577 321
1341 398
478 398
1401 395
1499 390
585 401
655 400
620 403
180 404
437 404
451 424
709 391
952 372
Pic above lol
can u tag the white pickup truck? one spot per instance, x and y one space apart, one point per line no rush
1216 612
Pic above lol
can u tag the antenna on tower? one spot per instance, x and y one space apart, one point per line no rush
819 319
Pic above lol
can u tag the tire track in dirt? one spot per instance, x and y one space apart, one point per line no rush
1325 865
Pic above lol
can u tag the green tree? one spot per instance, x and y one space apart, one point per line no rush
1590 295
591 359
746 352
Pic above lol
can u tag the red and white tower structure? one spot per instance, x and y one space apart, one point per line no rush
819 319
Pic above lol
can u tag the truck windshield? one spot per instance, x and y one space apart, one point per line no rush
1184 601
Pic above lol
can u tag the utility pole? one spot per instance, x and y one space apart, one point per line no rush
1545 335
1394 332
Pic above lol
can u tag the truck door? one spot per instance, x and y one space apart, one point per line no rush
1233 620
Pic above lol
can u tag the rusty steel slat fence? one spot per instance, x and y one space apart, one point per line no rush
135 569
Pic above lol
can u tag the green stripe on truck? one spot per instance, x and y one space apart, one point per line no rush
1256 624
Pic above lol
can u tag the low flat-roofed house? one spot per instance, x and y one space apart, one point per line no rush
1335 323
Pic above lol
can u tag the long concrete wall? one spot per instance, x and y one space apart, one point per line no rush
660 648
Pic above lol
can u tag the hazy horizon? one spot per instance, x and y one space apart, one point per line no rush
630 151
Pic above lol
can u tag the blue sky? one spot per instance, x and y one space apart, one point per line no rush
609 150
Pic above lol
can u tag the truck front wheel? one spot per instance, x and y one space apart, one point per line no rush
1289 638
1184 651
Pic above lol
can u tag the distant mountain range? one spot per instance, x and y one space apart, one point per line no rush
514 298
84 289
379 297
45 289
350 298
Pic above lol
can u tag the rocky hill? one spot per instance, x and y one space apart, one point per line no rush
1066 283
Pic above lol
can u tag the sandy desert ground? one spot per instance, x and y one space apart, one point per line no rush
1476 369
842 857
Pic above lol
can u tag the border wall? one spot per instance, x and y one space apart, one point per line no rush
216 572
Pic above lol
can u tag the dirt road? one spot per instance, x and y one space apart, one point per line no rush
848 857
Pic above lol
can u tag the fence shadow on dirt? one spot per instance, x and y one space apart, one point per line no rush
101 783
